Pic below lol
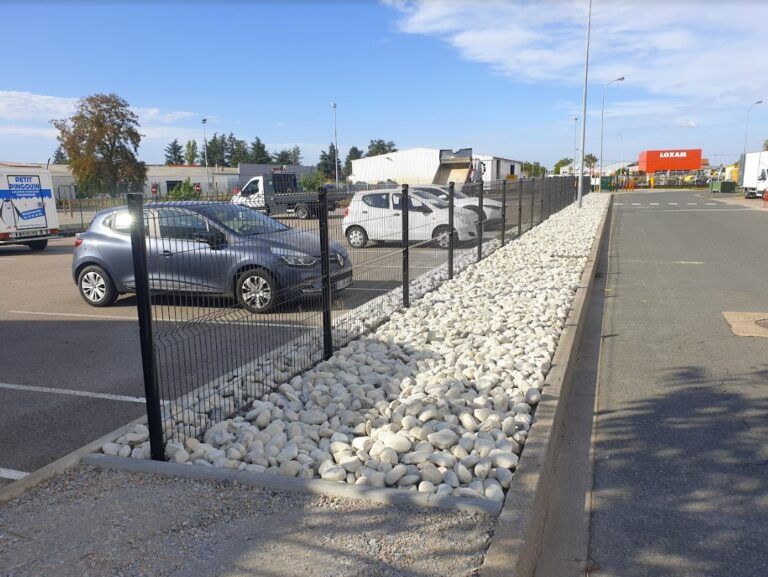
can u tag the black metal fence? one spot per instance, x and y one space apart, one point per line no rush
233 303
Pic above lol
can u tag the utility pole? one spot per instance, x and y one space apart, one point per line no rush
602 122
205 155
336 145
580 192
746 131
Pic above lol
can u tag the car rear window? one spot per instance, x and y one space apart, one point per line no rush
378 200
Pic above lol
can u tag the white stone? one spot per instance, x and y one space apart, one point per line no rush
444 439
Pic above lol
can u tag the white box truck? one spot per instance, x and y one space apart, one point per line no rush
27 206
754 177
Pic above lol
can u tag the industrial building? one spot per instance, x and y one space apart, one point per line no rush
432 166
652 161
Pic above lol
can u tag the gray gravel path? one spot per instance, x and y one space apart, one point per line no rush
95 523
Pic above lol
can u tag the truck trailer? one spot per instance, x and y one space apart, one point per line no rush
27 206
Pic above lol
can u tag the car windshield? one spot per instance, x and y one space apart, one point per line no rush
241 219
439 198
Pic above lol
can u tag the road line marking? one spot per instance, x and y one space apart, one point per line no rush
691 203
672 203
81 315
711 204
12 474
635 204
688 262
74 393
654 204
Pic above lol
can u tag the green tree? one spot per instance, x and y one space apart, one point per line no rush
326 165
282 157
235 151
101 140
216 148
353 154
312 182
561 163
765 144
258 152
590 160
174 153
295 156
380 146
190 152
59 157
184 191
534 169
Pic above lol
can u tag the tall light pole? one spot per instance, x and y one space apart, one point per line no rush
602 123
336 145
205 155
746 131
575 143
580 192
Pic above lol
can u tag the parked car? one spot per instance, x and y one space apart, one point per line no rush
200 247
376 216
491 207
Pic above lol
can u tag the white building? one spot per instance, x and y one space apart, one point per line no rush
423 166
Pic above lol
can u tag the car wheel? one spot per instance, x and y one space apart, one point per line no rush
442 236
302 211
256 291
96 286
357 237
38 244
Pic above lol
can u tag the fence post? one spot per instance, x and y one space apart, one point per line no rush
404 235
503 212
533 200
452 238
144 308
325 268
541 204
519 208
480 225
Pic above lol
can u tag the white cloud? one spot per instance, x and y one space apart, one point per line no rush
16 105
683 48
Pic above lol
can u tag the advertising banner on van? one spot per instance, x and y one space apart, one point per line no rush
23 203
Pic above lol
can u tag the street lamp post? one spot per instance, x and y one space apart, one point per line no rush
205 156
575 143
602 123
336 145
746 132
580 191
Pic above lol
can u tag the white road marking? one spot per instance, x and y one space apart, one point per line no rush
78 315
74 393
12 474
635 204
691 203
688 262
672 203
711 204
654 204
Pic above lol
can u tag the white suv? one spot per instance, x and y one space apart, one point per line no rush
376 215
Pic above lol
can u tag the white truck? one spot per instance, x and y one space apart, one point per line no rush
754 176
27 206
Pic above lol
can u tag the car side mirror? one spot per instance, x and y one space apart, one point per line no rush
212 238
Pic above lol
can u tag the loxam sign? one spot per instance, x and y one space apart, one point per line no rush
674 154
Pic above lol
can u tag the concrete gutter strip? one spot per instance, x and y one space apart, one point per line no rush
293 484
516 543
17 488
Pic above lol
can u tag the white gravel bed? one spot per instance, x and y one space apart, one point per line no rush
438 398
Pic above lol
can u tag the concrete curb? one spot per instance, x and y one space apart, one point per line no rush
517 539
387 496
17 488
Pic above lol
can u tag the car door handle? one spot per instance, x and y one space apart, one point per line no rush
396 214
364 212
167 253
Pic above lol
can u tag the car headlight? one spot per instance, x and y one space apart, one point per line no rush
294 257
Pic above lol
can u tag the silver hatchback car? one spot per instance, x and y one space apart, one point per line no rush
201 247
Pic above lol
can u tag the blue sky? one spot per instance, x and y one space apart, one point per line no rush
503 77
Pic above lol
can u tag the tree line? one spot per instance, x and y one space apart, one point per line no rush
100 142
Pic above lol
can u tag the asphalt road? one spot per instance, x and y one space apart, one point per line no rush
70 373
681 433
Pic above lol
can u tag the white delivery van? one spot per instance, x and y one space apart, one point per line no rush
754 177
27 207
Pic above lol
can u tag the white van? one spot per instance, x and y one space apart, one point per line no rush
376 215
27 207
